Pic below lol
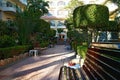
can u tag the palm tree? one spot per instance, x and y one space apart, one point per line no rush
38 6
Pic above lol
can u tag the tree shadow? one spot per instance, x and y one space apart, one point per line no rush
23 73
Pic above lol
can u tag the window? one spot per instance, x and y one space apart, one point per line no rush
52 12
9 4
61 3
52 23
51 3
62 13
60 23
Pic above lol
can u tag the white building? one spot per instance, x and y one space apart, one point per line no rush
57 15
8 8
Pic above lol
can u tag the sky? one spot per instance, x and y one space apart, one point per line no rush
111 6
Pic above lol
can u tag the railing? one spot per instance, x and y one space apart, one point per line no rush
5 7
9 7
102 62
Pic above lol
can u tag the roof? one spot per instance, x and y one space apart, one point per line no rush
46 17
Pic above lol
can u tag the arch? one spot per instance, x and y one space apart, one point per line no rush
61 3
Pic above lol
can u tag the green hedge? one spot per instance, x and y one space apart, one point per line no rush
91 15
113 26
12 51
6 41
44 44
82 50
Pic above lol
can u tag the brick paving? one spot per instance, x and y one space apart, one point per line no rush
43 67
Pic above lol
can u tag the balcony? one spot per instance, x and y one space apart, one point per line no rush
20 3
9 9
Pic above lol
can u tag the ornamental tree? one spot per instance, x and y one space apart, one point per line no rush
91 15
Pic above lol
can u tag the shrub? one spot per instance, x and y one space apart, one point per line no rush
91 15
82 50
13 51
44 44
6 41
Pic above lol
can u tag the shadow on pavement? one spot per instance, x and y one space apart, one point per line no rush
23 73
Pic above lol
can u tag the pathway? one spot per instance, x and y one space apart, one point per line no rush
43 67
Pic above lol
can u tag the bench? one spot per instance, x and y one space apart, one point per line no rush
102 62
67 73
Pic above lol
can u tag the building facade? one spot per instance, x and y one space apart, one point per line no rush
57 15
8 8
57 8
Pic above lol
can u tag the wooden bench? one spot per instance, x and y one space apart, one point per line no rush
67 73
102 63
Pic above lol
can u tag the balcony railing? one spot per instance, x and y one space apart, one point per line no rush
9 8
20 2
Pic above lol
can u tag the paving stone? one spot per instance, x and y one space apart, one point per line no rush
43 67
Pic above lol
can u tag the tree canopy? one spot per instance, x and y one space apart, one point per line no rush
37 7
91 15
29 21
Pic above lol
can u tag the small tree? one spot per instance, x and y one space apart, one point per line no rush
90 17
28 19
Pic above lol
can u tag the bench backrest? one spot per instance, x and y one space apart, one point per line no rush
102 62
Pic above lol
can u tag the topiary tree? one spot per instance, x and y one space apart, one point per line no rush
90 17
112 26
112 29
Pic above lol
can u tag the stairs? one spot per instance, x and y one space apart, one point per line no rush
60 42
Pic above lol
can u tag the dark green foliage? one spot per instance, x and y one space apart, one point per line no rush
3 27
45 33
112 26
13 51
29 22
6 41
77 36
37 7
60 30
28 25
82 50
116 2
8 34
91 15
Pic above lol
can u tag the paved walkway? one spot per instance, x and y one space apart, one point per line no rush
43 67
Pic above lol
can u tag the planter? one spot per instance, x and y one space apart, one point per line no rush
2 62
81 62
10 60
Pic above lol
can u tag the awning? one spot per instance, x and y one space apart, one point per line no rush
46 17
